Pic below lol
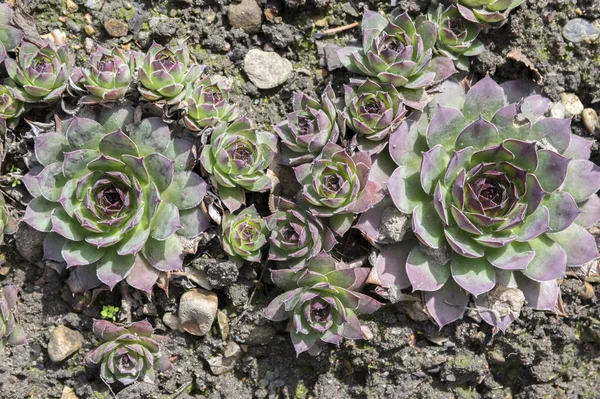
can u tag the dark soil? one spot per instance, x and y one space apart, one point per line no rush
542 355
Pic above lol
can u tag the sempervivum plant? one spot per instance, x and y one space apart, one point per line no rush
486 11
237 157
296 235
457 37
108 77
42 73
399 51
244 235
337 186
10 108
164 72
10 37
373 110
323 302
207 104
118 204
500 196
310 126
127 354
11 332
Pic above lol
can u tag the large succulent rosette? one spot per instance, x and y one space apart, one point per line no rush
297 236
337 186
457 37
486 11
323 302
164 73
117 205
373 110
207 104
309 127
10 107
11 332
10 37
237 158
127 354
399 51
500 196
41 73
244 235
108 77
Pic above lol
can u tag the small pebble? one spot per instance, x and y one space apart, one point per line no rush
72 6
63 343
557 110
197 311
591 121
88 45
89 29
87 18
580 30
116 28
572 103
266 70
247 16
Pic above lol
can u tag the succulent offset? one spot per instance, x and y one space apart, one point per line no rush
10 37
500 196
323 302
41 73
109 76
457 37
164 73
127 354
207 104
399 51
117 202
297 236
237 158
310 126
11 332
486 11
244 234
10 108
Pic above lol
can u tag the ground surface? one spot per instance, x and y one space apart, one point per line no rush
542 355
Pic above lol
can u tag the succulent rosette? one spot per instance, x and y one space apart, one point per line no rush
10 107
457 37
244 235
207 104
323 303
310 126
118 206
399 51
109 76
297 236
10 37
373 110
41 73
337 186
500 196
486 11
11 332
237 158
164 72
127 354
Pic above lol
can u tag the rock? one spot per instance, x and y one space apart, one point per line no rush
557 110
30 243
495 357
116 28
68 393
572 103
89 29
266 69
220 274
223 322
72 6
63 343
294 3
89 45
394 225
94 4
580 30
224 363
247 16
197 311
171 321
280 35
591 121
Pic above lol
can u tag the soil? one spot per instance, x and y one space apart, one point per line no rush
542 355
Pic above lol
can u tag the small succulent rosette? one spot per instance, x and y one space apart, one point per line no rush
399 51
41 73
11 108
237 158
457 37
117 199
309 127
207 104
244 234
501 196
488 12
108 77
164 72
127 354
11 332
373 110
337 186
10 37
323 302
297 235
